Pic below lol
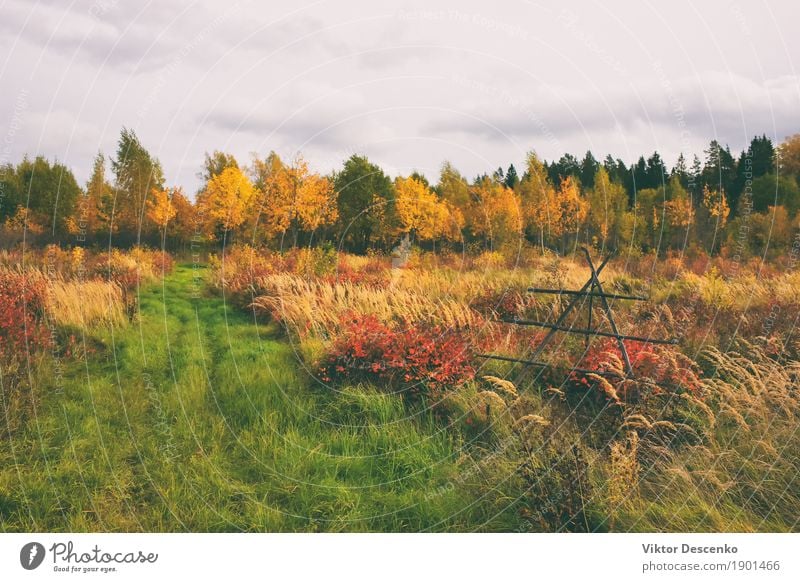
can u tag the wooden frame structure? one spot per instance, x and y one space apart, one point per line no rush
592 289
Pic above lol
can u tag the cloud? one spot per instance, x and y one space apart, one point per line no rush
724 105
407 85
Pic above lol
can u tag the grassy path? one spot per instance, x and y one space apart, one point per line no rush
194 418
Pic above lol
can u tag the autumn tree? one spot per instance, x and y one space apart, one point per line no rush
648 211
494 213
537 197
770 230
316 201
97 206
270 180
607 203
184 225
421 213
716 205
572 209
292 198
225 202
160 210
789 156
713 214
679 213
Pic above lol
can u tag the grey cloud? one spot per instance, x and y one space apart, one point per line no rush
727 108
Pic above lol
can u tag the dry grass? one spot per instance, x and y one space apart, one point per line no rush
79 303
315 307
732 457
86 303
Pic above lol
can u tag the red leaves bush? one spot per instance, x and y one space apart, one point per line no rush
22 303
427 360
657 368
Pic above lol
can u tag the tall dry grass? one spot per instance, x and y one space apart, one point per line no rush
730 460
316 307
442 296
78 303
85 304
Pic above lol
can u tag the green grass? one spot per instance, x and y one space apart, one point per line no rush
195 418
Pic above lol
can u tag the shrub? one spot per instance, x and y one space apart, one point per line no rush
427 360
490 260
312 261
22 305
130 269
656 368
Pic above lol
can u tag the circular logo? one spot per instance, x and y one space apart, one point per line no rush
31 555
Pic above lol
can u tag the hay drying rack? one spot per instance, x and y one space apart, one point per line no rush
592 289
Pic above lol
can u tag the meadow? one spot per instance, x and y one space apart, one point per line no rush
314 390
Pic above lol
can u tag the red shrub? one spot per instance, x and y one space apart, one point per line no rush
22 301
655 367
163 262
429 359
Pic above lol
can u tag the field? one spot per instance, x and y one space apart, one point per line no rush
310 390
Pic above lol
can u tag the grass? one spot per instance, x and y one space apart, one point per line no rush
193 418
86 304
196 416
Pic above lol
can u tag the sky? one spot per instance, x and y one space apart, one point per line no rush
409 84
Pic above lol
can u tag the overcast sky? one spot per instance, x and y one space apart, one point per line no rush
410 84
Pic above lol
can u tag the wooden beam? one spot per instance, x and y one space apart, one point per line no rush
564 314
609 313
589 331
586 294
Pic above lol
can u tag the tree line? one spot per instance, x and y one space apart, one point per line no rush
646 206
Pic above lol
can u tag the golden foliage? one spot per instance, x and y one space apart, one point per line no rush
717 205
226 200
680 212
607 203
789 155
293 196
495 212
422 213
160 209
538 199
570 207
316 202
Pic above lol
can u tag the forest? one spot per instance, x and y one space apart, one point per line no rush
646 207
